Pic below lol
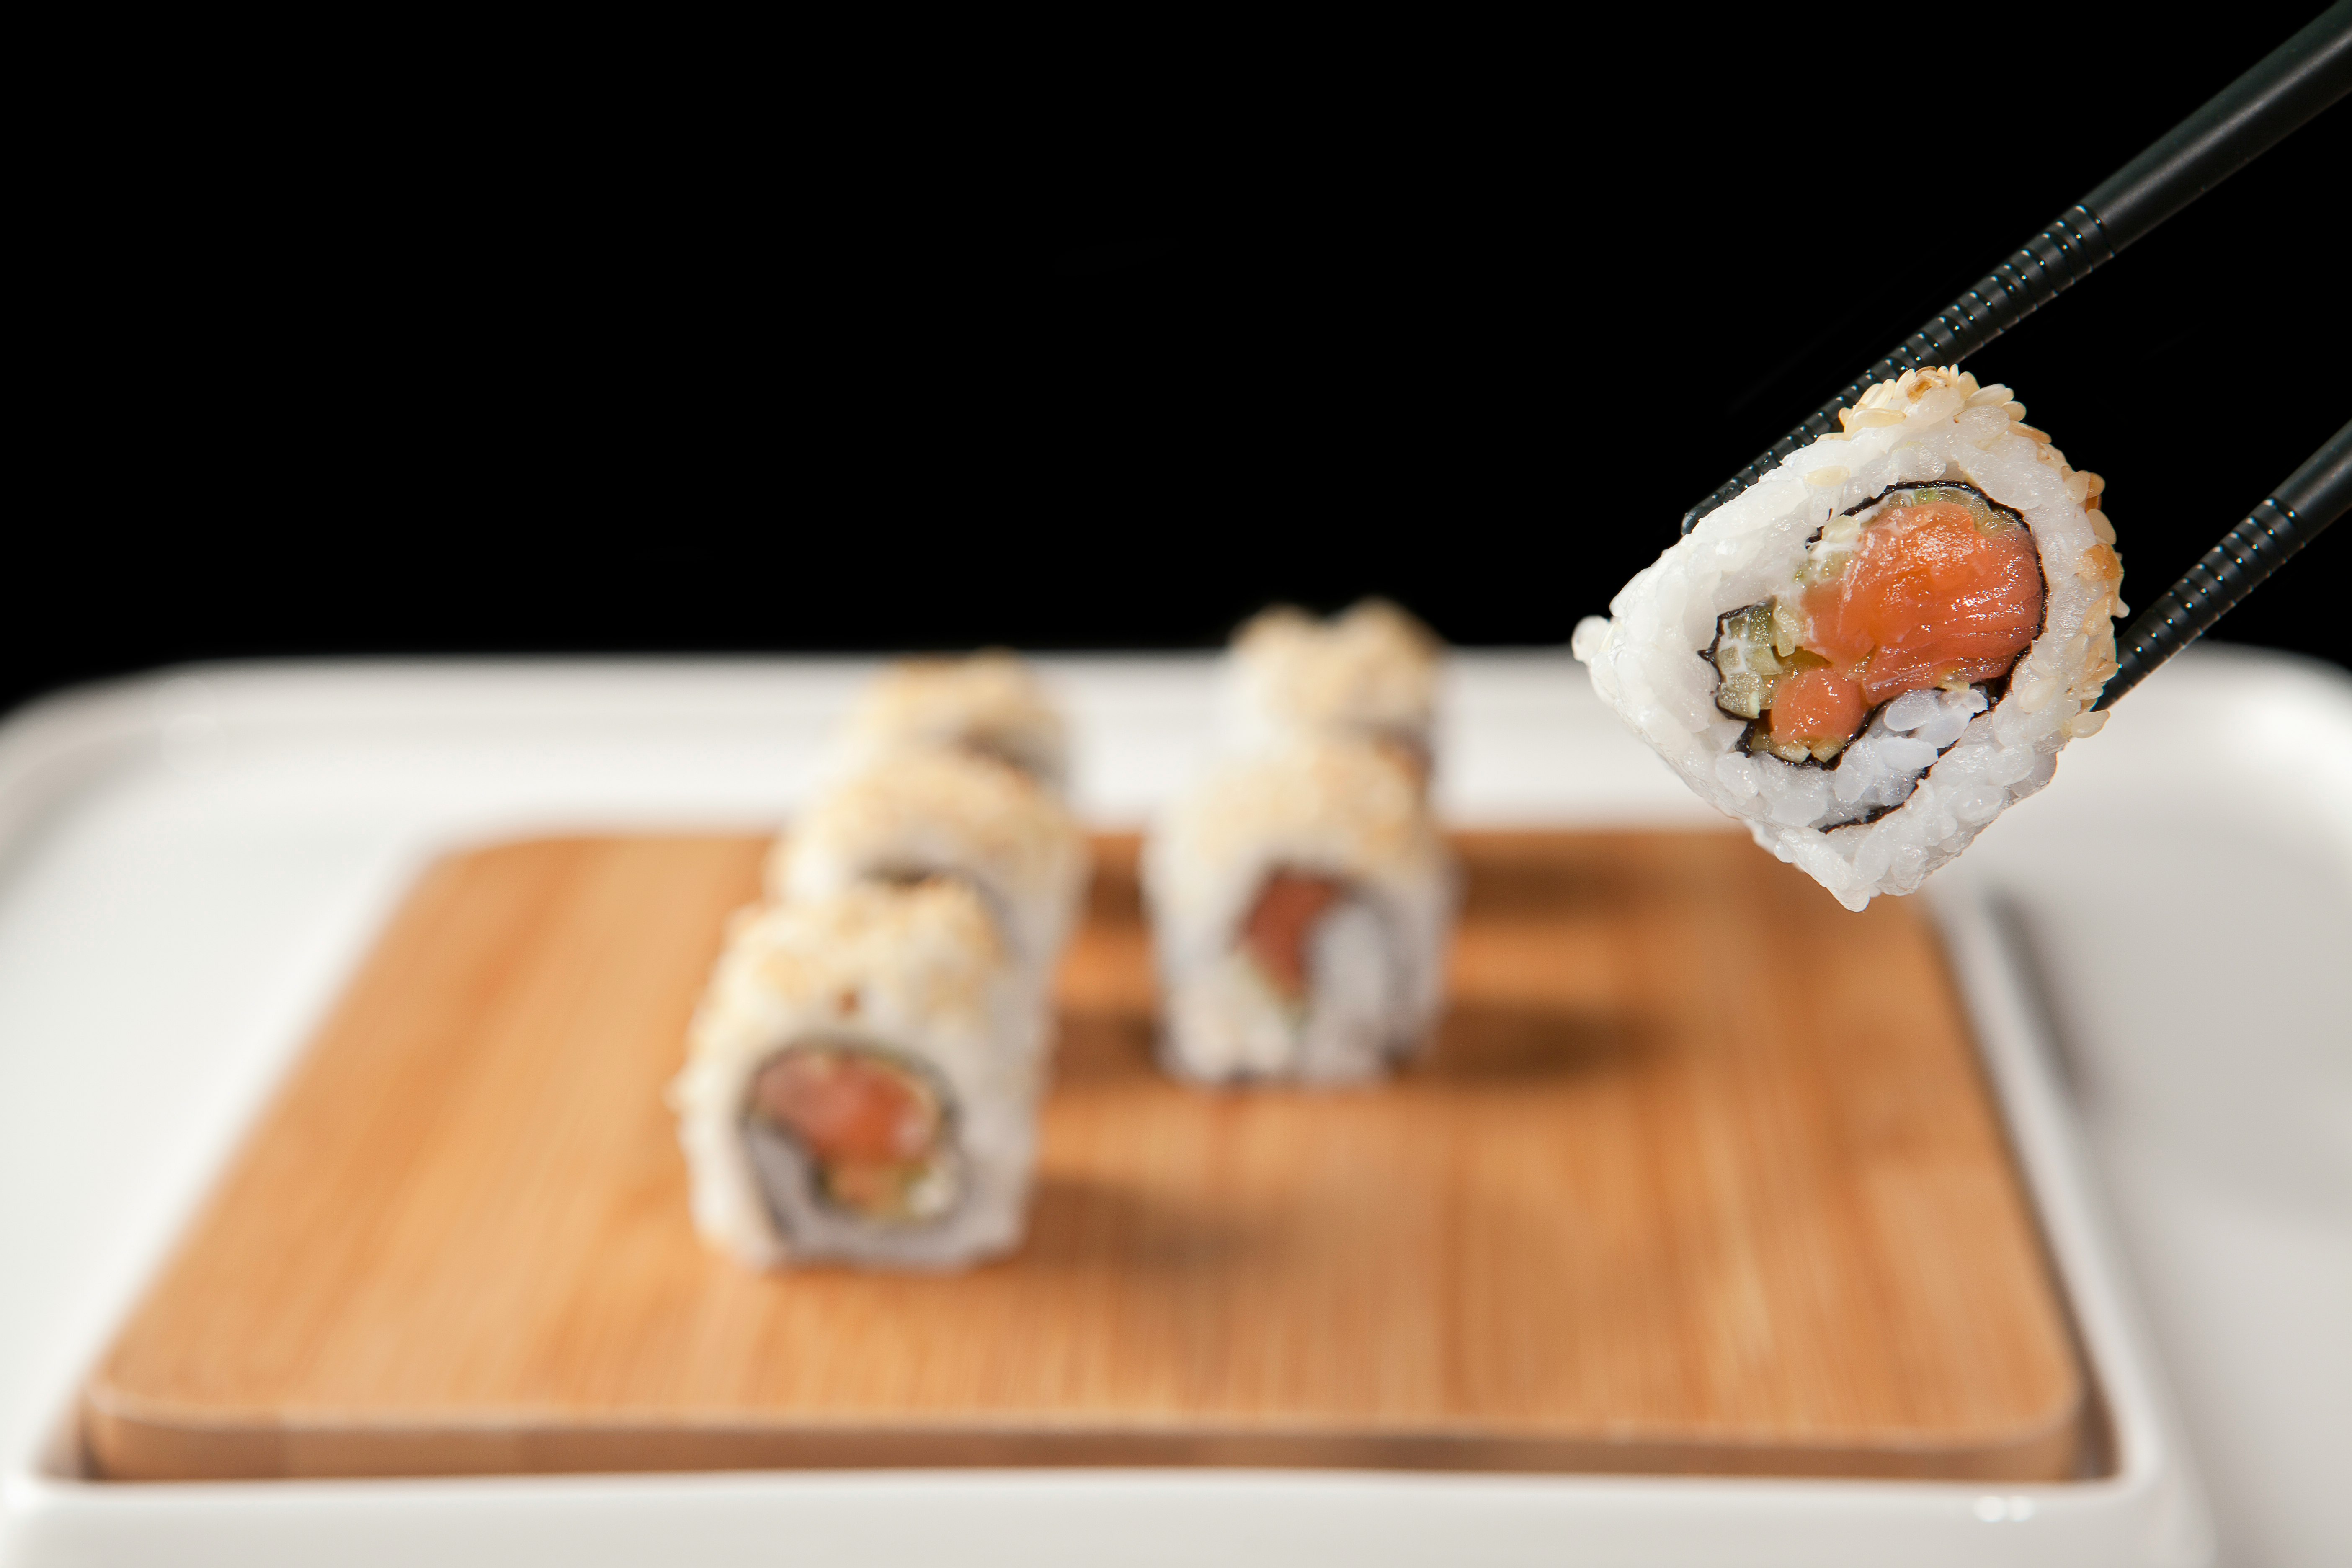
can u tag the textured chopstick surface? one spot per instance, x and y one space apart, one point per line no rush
2286 89
2289 518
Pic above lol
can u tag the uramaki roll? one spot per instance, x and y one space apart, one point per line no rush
1883 644
1301 901
1370 675
862 1083
926 814
990 704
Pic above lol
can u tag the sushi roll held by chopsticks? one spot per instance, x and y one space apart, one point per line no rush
862 1083
1879 647
1370 674
1300 901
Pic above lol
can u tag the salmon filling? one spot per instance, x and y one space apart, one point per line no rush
1279 926
1936 586
1815 708
871 1129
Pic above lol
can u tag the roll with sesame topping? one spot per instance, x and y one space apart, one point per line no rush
942 813
1301 901
1871 654
861 1083
1369 675
988 704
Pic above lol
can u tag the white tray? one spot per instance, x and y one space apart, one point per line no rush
189 864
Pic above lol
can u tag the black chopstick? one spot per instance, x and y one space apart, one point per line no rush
2289 518
2287 88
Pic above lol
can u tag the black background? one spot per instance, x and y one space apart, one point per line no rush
1110 365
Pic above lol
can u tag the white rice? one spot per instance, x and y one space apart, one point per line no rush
1648 659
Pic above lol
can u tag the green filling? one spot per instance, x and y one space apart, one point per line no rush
1754 648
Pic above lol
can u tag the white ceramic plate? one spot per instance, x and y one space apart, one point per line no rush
189 864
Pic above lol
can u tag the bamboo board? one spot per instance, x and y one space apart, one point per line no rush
1701 1177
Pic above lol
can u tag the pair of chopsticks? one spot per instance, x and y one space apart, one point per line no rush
2287 88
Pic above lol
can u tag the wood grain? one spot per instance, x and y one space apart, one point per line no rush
1702 1177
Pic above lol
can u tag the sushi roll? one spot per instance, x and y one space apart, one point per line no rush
988 704
1883 644
1300 905
862 1082
942 813
1370 675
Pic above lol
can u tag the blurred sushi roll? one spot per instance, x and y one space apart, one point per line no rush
862 1082
1370 675
990 704
946 814
1301 901
1883 644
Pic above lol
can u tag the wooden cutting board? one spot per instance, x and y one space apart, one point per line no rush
1702 1177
